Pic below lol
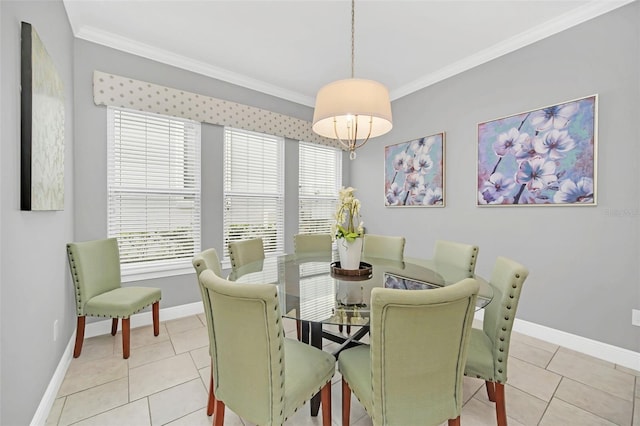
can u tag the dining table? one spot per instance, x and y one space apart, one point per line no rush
314 290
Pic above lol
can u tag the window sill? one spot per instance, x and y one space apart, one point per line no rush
141 275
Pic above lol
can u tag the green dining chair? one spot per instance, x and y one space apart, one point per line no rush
312 244
412 375
456 254
489 347
95 271
208 259
245 251
261 375
383 247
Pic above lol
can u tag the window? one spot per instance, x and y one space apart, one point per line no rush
253 189
320 179
153 178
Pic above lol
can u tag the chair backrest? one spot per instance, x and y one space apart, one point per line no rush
507 279
207 260
456 254
95 269
249 372
417 370
383 247
312 243
245 251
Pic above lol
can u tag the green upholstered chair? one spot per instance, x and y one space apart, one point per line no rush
456 254
411 373
261 375
489 347
383 246
208 259
95 271
312 244
245 251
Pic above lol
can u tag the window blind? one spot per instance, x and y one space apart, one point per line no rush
153 178
320 179
253 189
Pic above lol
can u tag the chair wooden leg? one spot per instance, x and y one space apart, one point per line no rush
114 326
211 405
218 417
348 329
156 318
454 422
340 328
299 330
325 400
79 337
346 403
126 337
501 410
490 391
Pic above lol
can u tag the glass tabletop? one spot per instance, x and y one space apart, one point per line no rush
311 287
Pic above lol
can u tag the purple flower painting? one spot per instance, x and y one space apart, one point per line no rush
414 172
541 157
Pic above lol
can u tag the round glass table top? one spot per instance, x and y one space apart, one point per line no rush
312 287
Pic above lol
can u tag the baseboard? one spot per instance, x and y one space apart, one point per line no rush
604 351
96 329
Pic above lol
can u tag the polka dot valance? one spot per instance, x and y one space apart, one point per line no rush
114 90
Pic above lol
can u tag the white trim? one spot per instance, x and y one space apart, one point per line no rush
600 350
50 394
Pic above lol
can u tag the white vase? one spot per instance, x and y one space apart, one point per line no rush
349 253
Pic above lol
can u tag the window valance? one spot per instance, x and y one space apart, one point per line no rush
118 91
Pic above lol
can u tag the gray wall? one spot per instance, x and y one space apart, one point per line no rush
35 284
583 260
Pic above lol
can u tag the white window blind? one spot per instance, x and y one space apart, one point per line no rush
253 189
153 178
320 179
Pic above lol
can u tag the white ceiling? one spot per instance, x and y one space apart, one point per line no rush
292 48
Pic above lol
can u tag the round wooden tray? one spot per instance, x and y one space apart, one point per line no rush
364 272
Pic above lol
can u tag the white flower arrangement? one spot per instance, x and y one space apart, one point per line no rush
348 224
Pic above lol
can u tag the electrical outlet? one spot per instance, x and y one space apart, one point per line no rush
635 317
55 330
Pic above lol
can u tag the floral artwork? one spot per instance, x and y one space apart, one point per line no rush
414 172
541 157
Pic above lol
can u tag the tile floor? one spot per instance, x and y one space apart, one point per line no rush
164 382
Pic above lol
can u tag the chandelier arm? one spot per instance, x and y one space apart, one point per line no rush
335 130
368 134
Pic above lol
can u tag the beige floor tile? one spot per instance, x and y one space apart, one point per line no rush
231 419
204 376
520 406
56 410
183 324
532 341
190 340
141 336
159 375
94 401
561 413
471 385
532 379
595 401
135 413
476 413
583 369
201 357
178 401
531 354
84 374
98 347
631 371
197 418
150 353
203 319
636 412
589 358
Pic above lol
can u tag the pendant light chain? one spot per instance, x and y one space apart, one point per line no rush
353 31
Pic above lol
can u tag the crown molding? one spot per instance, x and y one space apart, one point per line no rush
549 28
124 44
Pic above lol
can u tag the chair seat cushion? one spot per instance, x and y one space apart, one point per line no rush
122 302
301 381
480 356
355 366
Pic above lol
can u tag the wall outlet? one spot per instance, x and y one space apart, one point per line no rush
55 330
635 317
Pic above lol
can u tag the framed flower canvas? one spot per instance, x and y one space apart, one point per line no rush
414 172
545 156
